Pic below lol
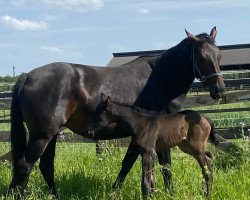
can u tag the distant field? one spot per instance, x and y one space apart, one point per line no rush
81 175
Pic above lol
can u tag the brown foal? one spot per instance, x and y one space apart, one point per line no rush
188 130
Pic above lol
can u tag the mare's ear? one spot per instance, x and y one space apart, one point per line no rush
213 33
103 97
192 37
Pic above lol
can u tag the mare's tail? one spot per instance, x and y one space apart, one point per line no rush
18 131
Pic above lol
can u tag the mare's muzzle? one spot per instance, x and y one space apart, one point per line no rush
217 88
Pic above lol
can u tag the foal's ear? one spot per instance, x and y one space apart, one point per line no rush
109 100
192 37
103 97
213 33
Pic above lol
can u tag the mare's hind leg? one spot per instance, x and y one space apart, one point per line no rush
47 165
164 159
127 163
36 146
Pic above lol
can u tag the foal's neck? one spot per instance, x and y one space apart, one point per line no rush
124 113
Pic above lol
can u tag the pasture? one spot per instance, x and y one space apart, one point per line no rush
80 174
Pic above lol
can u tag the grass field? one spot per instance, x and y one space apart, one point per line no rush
81 175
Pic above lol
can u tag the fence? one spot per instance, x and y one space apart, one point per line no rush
228 133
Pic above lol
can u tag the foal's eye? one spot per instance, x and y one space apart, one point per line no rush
203 59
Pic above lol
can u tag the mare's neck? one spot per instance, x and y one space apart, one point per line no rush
177 58
176 68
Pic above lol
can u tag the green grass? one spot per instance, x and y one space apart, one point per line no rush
81 175
5 126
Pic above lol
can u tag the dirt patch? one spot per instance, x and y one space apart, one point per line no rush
204 99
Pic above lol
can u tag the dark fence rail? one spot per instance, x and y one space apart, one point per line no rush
6 94
237 83
224 110
5 103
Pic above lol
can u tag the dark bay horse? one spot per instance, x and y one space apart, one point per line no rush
156 133
66 95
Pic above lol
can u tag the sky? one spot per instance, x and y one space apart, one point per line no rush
37 32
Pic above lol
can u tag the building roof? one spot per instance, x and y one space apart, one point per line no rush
238 54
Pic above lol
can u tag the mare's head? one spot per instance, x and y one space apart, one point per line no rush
206 62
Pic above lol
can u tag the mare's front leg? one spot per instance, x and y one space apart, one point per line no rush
47 165
147 175
127 163
164 159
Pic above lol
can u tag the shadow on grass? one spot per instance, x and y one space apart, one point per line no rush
3 189
232 156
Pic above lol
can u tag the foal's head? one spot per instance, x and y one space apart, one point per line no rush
206 60
103 112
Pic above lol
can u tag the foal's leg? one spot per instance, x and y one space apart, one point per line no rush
202 156
205 165
208 188
47 165
147 175
127 163
164 159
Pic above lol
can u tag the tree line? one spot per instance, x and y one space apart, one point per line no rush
9 79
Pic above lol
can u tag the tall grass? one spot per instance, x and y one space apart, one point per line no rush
80 174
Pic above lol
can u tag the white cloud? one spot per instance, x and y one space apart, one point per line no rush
52 49
23 24
143 11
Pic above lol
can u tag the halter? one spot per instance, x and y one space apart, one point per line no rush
201 77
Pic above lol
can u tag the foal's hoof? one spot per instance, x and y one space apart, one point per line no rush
153 190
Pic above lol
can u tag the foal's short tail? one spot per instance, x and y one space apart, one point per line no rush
212 137
18 131
222 144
